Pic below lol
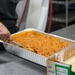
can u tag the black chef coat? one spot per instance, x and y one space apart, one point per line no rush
8 15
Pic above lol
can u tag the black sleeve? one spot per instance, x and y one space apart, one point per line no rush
8 15
16 1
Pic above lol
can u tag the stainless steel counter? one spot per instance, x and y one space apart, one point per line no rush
68 32
13 65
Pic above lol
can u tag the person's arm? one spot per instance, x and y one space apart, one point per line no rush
16 0
4 32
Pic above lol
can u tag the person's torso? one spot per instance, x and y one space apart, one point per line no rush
8 15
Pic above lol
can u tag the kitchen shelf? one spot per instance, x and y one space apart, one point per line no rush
66 16
60 17
63 2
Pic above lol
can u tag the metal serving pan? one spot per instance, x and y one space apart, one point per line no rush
26 54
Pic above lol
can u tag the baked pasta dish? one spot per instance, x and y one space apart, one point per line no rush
40 43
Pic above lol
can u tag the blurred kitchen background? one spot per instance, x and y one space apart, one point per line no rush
45 15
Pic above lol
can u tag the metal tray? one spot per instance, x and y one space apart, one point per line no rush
31 56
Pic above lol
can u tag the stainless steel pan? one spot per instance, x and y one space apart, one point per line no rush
26 54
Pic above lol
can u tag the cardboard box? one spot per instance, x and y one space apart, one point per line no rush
62 63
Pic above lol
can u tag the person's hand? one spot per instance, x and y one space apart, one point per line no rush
4 33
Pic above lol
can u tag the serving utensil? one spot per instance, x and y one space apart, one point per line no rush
15 43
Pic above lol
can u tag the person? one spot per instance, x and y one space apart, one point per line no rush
8 15
8 19
4 32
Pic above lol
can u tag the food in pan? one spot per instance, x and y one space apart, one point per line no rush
40 43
